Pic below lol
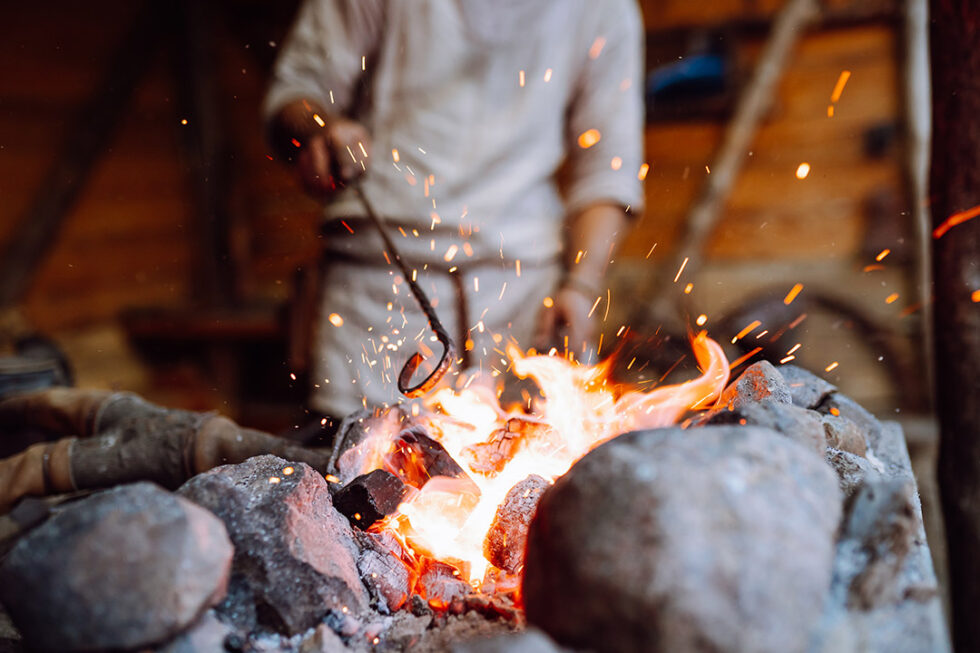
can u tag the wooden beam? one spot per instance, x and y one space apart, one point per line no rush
206 148
93 129
955 193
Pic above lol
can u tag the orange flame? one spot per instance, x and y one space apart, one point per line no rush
579 408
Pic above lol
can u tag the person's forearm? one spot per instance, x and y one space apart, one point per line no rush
592 238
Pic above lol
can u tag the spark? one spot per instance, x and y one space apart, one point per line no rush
295 143
520 77
502 289
318 120
330 478
588 138
651 251
517 265
288 471
747 330
839 86
616 163
336 320
741 359
795 323
547 75
644 169
274 480
688 288
802 170
594 305
975 296
548 302
578 256
955 219
361 145
831 367
891 298
363 62
596 49
395 156
183 121
793 292
793 348
476 284
787 359
681 270
701 319
707 170
882 254
450 253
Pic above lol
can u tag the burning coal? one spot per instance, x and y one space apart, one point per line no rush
464 451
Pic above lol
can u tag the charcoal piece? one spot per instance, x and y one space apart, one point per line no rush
418 606
415 458
388 578
295 556
440 583
760 382
720 538
369 497
842 433
122 569
491 456
322 640
504 544
807 389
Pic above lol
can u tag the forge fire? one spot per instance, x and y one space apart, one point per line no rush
459 454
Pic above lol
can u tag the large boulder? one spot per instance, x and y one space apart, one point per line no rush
718 538
295 555
122 569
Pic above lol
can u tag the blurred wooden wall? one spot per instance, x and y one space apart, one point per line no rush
130 239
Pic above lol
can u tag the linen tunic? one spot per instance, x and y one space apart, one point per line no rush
472 107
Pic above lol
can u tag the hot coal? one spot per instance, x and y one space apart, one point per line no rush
440 584
505 541
370 497
415 458
388 578
491 456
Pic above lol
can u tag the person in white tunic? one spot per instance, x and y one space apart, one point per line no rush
455 116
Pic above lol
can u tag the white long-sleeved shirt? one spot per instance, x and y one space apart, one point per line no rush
472 106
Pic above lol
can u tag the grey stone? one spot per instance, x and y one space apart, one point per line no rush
126 568
882 526
712 539
807 389
798 424
852 471
843 433
760 382
323 640
531 640
207 635
295 556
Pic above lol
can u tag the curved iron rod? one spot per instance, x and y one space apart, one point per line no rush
412 364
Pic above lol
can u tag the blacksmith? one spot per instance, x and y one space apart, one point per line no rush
455 116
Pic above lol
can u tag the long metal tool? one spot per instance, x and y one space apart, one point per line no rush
412 364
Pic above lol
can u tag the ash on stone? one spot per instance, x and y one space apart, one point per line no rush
370 497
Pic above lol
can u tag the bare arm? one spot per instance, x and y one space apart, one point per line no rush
592 237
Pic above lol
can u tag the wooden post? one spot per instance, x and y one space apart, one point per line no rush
955 190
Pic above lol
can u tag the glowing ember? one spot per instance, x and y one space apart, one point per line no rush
466 450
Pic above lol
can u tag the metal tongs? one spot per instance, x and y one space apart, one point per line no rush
412 364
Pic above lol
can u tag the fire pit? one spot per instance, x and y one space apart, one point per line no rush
780 517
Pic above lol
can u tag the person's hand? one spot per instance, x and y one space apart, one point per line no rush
569 317
333 156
